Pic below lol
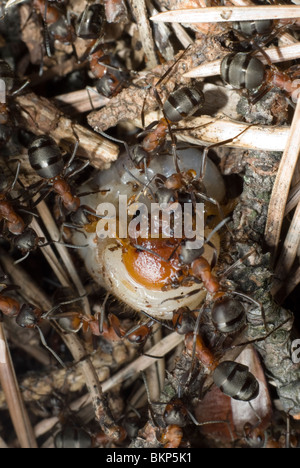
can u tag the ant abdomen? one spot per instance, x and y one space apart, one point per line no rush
235 380
45 157
241 71
228 315
251 28
183 102
72 437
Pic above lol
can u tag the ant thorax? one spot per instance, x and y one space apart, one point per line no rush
145 272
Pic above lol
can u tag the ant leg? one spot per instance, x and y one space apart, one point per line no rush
74 150
41 198
172 66
214 202
206 423
116 140
19 90
261 338
16 176
80 169
259 94
50 312
215 145
46 31
193 354
69 25
175 155
102 313
238 262
22 259
152 417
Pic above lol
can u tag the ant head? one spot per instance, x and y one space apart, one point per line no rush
27 241
176 413
28 316
183 320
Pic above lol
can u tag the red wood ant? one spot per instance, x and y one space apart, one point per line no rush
111 76
46 159
246 72
24 238
71 319
27 315
56 23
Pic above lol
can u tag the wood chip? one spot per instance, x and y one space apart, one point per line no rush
282 184
40 116
224 14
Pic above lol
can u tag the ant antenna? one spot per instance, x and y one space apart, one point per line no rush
156 320
44 343
102 313
22 259
105 135
149 399
77 299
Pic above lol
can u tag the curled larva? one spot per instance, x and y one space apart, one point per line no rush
143 279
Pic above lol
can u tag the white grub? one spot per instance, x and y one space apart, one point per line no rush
225 14
276 55
104 257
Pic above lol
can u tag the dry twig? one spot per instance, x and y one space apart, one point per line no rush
282 184
40 116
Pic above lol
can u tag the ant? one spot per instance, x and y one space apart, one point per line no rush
71 320
175 417
243 71
21 236
24 238
46 159
56 23
235 380
27 315
111 76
